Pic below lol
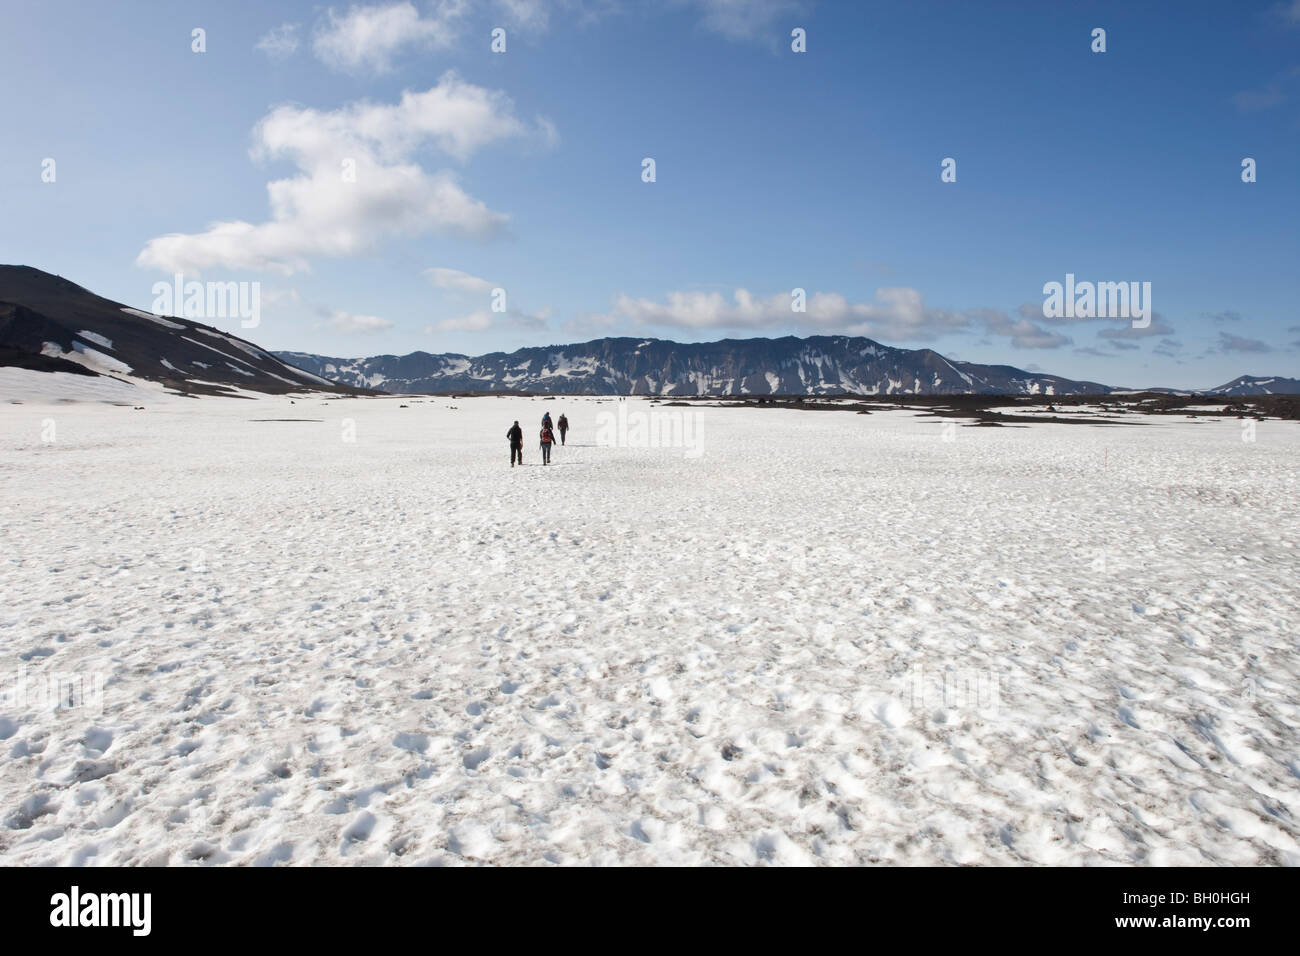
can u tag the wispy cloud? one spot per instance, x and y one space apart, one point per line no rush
456 281
526 14
1273 93
746 19
1235 343
1252 101
897 314
350 322
1157 326
280 42
1288 12
1023 333
484 320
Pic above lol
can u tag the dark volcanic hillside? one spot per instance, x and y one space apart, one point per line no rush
820 365
1259 385
50 324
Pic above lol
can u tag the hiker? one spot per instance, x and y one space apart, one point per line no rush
548 439
516 436
546 421
564 427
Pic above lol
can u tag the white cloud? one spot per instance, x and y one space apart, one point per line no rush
319 212
280 42
350 322
456 281
897 313
368 37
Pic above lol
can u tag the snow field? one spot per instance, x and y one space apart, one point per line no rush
828 638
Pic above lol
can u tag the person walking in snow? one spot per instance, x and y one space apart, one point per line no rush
548 439
516 436
546 420
564 427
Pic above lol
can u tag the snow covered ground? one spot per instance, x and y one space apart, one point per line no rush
809 637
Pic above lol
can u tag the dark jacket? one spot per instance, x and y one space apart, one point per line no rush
516 435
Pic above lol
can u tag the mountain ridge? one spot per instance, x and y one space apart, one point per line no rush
631 365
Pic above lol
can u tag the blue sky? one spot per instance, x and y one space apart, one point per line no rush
775 170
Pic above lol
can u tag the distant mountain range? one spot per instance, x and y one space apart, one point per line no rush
818 365
50 324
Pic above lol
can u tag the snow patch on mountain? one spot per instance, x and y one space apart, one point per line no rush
96 339
165 323
92 359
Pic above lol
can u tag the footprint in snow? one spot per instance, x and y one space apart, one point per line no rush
98 739
280 853
359 830
415 743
